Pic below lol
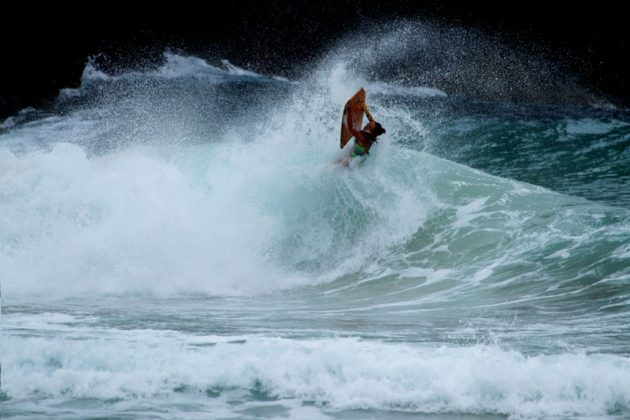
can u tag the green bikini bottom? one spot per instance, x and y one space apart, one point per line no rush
357 150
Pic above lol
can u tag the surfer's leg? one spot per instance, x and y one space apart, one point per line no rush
343 161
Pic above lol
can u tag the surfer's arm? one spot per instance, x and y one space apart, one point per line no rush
353 130
356 133
367 113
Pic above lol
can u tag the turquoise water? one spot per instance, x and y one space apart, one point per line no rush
167 252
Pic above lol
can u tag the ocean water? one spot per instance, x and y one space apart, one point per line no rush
178 242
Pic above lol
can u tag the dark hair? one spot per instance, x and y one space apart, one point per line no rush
378 129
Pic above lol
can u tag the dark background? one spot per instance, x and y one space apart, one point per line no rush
45 48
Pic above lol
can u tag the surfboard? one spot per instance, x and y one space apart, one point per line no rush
354 107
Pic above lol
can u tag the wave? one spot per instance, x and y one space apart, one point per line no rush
175 66
472 292
340 373
164 184
240 218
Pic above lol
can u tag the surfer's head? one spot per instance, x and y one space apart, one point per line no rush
378 129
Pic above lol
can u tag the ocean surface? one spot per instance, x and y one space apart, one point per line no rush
178 242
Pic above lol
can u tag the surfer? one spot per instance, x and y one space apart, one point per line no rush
364 139
351 127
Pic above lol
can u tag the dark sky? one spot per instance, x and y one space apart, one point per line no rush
45 47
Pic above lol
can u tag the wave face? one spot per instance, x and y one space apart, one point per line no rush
180 240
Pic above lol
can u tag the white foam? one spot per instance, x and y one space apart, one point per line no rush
218 219
177 66
284 79
562 254
127 223
8 122
238 71
91 72
383 88
338 373
591 126
622 252
468 212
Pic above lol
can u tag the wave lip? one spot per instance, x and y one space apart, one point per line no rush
238 71
175 66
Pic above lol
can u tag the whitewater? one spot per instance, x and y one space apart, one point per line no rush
178 242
